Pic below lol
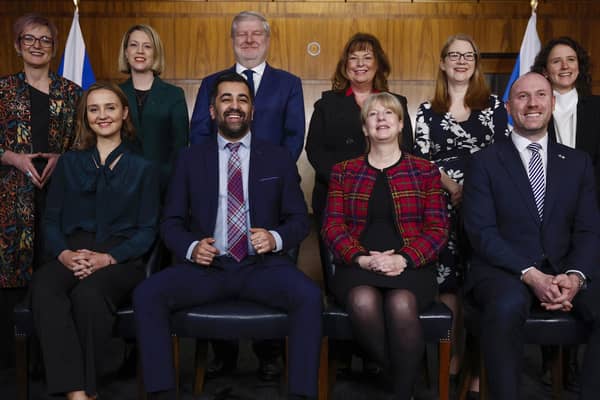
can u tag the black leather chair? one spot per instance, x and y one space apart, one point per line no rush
551 328
437 327
227 320
24 328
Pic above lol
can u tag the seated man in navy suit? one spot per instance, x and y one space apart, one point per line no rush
278 118
533 221
233 207
279 104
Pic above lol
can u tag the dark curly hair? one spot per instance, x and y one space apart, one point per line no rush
583 84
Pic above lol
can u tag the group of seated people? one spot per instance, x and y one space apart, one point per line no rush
391 211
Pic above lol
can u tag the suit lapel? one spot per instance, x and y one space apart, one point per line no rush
266 82
511 161
133 109
255 165
554 176
211 180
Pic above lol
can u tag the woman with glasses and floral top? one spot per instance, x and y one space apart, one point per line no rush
462 118
37 124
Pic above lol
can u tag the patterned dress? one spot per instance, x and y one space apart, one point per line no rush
17 215
449 144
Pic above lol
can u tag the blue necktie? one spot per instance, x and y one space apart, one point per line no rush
250 79
536 177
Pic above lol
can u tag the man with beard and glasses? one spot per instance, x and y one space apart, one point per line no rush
233 208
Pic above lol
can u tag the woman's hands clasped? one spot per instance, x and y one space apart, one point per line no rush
84 263
383 262
24 163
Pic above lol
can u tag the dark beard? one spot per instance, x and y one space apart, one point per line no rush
229 133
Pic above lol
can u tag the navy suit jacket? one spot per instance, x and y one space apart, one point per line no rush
502 221
278 110
276 201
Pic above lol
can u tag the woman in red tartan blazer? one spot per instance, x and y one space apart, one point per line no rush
385 222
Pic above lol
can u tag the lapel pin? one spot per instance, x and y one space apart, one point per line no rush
561 156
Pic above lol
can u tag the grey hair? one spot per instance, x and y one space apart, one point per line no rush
246 15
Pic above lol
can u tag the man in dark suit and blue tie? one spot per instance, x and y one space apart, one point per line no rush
532 217
279 104
233 208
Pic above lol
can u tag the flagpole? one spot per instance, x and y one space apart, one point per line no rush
77 5
534 4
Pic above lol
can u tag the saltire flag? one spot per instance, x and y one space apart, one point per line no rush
530 47
75 63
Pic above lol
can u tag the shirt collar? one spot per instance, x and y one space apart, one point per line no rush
222 142
522 142
258 70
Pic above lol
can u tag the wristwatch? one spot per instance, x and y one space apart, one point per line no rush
582 283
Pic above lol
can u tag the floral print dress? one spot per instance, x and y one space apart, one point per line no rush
449 144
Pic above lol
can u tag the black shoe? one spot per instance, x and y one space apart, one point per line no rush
546 377
218 368
471 395
269 370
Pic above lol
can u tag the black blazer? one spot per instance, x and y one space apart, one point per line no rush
587 135
335 134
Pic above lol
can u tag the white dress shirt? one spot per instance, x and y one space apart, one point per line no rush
565 117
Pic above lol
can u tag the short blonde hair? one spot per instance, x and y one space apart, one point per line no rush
159 55
387 100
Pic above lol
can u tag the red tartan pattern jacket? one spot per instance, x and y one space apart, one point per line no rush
419 202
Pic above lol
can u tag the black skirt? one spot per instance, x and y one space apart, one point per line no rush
420 281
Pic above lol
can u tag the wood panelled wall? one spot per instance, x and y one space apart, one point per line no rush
196 36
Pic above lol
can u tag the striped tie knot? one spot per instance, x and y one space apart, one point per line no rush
534 147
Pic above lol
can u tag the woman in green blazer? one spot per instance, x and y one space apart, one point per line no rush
158 109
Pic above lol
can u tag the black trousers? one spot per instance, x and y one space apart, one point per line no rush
74 318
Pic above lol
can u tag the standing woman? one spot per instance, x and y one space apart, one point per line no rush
37 124
158 109
335 132
462 118
385 223
101 218
576 118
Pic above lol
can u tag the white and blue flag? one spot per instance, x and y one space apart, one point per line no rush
75 63
530 47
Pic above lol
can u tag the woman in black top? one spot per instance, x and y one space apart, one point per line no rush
101 217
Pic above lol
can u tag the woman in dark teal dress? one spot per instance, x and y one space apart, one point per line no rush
101 218
158 109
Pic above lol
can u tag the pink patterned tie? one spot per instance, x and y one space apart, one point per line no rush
237 237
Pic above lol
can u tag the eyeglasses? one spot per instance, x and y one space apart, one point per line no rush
29 40
455 56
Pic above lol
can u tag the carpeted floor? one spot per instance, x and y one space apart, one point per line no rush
244 385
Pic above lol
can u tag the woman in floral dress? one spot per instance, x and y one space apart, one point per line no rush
462 118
